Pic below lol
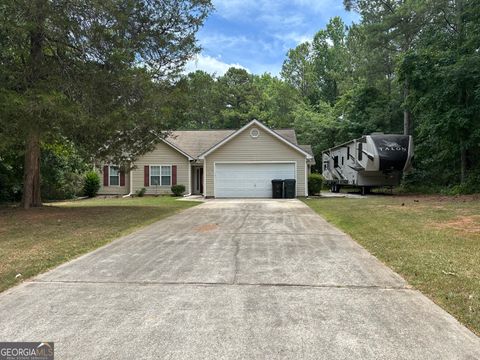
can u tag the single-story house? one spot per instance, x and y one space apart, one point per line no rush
216 163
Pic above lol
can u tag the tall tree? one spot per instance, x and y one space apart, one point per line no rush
298 69
276 101
393 25
330 60
446 90
82 69
200 99
238 95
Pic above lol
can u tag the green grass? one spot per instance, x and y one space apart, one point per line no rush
33 241
433 242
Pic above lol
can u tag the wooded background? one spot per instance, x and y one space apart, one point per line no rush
408 66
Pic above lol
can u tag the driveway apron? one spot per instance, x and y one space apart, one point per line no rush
232 279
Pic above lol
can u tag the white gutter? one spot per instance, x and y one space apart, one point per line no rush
189 179
130 185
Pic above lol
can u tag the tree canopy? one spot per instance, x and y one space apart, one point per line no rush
407 67
92 72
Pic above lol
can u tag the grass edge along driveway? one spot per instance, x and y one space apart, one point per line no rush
36 240
433 242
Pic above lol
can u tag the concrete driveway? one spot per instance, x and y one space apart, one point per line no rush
237 279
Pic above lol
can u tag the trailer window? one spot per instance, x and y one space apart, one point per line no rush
342 160
335 161
360 151
348 153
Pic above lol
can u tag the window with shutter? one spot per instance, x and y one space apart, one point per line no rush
114 175
160 175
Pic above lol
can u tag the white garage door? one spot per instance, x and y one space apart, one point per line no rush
249 180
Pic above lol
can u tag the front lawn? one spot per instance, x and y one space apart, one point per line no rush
433 242
33 241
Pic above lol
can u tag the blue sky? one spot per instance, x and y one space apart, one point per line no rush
256 34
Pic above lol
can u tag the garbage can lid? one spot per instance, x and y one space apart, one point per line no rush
289 180
277 180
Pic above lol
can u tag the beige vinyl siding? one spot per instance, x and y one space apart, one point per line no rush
162 155
244 148
113 190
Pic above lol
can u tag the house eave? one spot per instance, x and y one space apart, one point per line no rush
188 156
265 128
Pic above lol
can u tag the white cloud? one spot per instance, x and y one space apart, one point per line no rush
230 9
258 33
261 68
222 41
319 6
234 8
296 37
280 20
210 65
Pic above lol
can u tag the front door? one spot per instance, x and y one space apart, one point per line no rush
199 180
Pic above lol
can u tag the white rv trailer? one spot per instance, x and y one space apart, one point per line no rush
374 160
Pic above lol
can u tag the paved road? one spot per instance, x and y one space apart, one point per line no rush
256 279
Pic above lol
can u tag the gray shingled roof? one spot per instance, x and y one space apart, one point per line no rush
306 148
288 134
195 142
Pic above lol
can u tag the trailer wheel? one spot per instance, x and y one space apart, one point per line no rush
335 188
365 190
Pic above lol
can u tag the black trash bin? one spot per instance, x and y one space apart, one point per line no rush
289 188
277 188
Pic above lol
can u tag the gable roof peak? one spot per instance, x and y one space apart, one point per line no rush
265 128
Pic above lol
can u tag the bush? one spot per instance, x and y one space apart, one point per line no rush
178 190
62 171
467 188
69 186
315 182
412 183
140 192
91 184
11 171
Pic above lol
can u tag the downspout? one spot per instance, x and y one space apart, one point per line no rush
205 177
306 177
189 178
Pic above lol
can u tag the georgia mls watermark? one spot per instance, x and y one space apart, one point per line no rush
26 350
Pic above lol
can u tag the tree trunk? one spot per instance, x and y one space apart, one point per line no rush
407 115
463 163
407 122
31 172
335 92
462 91
390 107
